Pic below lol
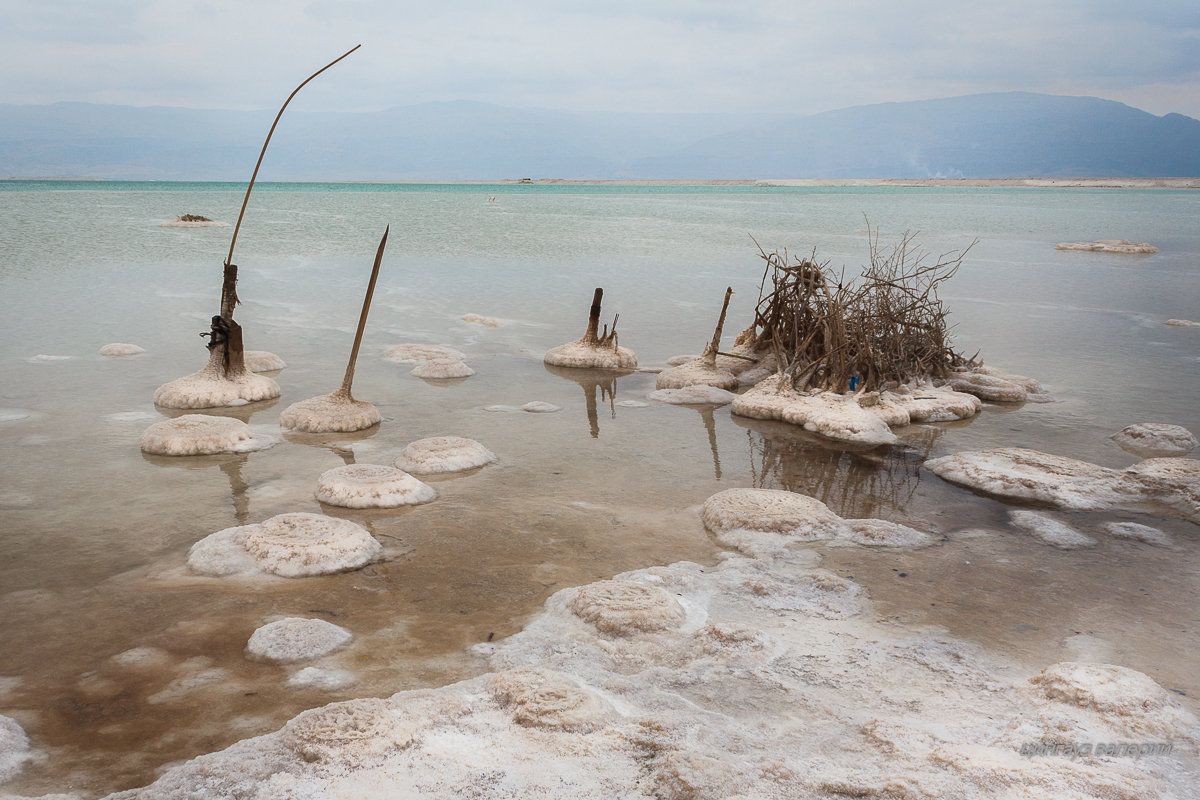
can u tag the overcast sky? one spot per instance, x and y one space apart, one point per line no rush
615 55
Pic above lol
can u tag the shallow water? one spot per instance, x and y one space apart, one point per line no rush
94 534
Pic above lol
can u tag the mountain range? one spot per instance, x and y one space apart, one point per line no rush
1000 135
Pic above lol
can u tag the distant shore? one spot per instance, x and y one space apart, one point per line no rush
982 183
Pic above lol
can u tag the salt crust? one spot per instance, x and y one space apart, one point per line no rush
336 412
741 700
620 608
1153 484
209 388
699 394
1182 323
117 349
1110 246
328 680
1155 440
14 747
291 545
539 407
585 355
1137 532
442 369
438 454
293 639
420 353
1049 530
696 372
372 486
477 319
262 361
201 434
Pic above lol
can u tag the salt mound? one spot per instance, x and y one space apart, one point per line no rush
1141 533
352 733
582 354
989 387
1155 440
881 533
1182 323
928 403
487 322
439 454
328 680
201 434
837 416
1030 475
544 698
209 388
262 361
121 349
795 516
291 545
699 394
293 639
540 407
697 372
1171 482
1129 700
371 486
442 369
1110 246
1049 530
336 412
14 748
420 353
622 608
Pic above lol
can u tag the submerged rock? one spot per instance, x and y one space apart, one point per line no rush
117 349
1049 530
289 545
1155 440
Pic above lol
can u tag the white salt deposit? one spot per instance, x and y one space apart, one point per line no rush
582 354
420 353
188 683
1049 530
13 414
290 545
1155 440
1182 323
132 416
621 608
1030 475
989 387
372 486
201 434
540 407
698 371
14 748
442 369
142 658
1137 532
209 388
1129 701
751 519
439 454
262 361
542 698
1170 482
501 409
699 394
328 680
352 733
293 639
676 361
477 319
336 412
882 533
1110 246
837 416
631 404
121 349
45 359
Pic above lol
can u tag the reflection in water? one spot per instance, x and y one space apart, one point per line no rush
237 484
229 463
340 443
855 482
706 414
242 412
590 380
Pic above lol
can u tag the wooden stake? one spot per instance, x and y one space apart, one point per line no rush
362 318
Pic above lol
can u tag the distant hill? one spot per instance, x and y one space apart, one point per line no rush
979 136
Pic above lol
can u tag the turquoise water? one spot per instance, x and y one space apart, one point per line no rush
93 535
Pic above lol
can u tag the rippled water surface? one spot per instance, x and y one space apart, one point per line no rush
94 535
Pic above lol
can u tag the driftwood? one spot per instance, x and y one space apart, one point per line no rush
885 328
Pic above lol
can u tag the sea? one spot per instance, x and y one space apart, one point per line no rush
118 662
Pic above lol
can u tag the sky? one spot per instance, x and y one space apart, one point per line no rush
796 56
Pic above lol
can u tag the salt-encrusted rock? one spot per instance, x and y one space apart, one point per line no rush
582 354
293 639
201 434
929 403
437 369
351 733
1155 440
336 412
698 394
291 545
478 319
262 361
830 414
543 698
540 407
988 387
1172 482
1049 530
328 680
882 533
209 388
1137 532
440 454
792 515
1182 323
14 748
1110 246
623 608
697 372
372 486
1030 475
1126 699
117 349
420 353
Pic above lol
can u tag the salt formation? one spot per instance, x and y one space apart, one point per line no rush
14 748
338 411
290 545
442 369
1152 484
439 454
293 639
621 608
487 322
1049 530
192 221
542 698
540 407
420 353
704 369
697 394
352 733
596 350
1129 701
201 434
209 388
117 349
882 533
372 486
760 520
1137 532
1182 323
263 361
1110 246
328 680
1155 440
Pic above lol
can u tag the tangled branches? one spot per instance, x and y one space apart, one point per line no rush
885 328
